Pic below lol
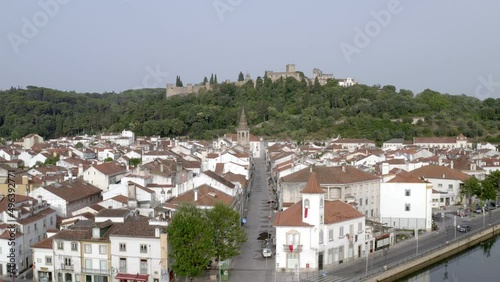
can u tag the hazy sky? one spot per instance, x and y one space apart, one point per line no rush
96 46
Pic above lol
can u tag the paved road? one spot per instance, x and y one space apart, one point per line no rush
356 270
250 265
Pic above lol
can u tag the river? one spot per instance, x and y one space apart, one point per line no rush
480 263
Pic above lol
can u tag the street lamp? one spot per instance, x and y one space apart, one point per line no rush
386 250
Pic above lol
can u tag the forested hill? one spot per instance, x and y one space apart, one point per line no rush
285 109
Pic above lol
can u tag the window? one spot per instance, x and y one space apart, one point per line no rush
330 256
144 248
36 228
407 207
407 192
144 266
103 264
330 235
366 201
321 219
103 249
74 246
450 186
321 236
48 260
293 238
88 248
306 203
341 232
29 227
60 245
360 227
321 203
371 212
360 202
123 247
88 263
67 261
440 185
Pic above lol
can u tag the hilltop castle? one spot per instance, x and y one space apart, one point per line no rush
290 71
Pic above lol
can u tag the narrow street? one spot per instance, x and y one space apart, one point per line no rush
251 266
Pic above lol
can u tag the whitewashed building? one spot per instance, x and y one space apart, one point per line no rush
314 233
406 201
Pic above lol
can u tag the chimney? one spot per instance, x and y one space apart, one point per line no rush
157 232
80 170
132 200
451 165
161 167
344 168
385 168
70 153
25 180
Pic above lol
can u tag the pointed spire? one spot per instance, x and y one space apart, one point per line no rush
312 186
243 125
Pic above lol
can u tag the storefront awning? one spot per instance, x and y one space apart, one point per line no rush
136 277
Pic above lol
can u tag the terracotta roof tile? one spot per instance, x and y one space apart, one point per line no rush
440 172
207 196
44 244
312 186
331 175
73 190
110 168
338 211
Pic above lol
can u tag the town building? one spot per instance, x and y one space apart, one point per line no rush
315 233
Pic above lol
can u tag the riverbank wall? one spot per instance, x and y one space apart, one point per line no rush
397 272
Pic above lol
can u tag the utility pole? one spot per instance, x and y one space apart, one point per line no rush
367 255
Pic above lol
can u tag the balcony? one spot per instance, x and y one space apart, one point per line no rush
66 267
96 271
292 248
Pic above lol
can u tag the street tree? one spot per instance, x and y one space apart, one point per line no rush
471 187
492 184
190 236
227 233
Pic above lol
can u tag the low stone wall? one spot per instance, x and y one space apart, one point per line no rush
400 271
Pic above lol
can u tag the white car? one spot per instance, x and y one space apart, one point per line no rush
267 253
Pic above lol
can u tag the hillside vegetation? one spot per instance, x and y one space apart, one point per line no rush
284 109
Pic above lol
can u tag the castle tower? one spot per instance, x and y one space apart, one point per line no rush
243 131
312 202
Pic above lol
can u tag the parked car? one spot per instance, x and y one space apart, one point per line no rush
267 253
463 228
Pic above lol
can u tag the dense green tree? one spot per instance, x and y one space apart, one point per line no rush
491 186
190 237
108 159
134 162
471 187
241 77
228 235
178 81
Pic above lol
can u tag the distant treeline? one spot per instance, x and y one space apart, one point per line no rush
284 109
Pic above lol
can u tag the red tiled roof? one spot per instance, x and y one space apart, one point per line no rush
207 196
440 172
110 168
312 186
331 175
